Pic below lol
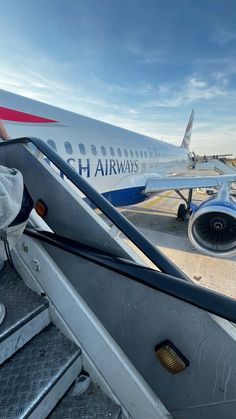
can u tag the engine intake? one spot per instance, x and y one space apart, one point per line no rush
212 229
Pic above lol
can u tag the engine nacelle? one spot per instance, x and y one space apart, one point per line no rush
212 227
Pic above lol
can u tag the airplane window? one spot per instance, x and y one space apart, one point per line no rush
93 150
131 153
82 149
126 152
52 144
104 153
141 154
119 152
112 152
145 154
136 153
68 147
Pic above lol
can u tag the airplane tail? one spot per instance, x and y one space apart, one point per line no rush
187 136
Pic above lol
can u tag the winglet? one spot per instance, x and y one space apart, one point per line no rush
187 136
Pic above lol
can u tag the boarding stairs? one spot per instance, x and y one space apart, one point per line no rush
82 305
217 166
40 373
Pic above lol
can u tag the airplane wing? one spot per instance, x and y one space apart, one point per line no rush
217 165
155 184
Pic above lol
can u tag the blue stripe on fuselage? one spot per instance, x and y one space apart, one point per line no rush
128 196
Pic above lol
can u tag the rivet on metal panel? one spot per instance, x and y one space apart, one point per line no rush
24 247
35 265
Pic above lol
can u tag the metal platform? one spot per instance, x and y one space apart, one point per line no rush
36 377
26 313
92 404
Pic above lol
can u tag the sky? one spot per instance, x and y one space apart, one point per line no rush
141 65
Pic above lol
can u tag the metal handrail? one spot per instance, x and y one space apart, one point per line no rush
154 255
190 293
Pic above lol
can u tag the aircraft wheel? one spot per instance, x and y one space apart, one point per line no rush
182 212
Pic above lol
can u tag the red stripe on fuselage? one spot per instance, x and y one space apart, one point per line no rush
17 116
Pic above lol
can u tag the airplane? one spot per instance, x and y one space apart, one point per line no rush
127 167
221 157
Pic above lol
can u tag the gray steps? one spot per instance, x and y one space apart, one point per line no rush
36 377
92 404
27 313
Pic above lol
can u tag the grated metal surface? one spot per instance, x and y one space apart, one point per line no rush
92 404
30 374
21 303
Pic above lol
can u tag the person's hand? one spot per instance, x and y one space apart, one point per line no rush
3 132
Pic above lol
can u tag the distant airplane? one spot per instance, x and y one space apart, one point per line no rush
127 167
220 157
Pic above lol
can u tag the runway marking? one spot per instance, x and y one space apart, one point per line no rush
157 199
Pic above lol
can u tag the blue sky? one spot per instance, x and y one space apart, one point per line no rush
142 65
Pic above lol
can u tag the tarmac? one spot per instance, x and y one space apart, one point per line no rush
156 219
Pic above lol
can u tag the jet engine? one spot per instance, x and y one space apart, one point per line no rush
212 226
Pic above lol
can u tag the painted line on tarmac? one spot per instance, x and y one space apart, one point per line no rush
158 199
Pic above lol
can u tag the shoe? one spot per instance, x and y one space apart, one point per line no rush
2 312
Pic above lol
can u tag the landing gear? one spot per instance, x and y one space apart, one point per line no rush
184 210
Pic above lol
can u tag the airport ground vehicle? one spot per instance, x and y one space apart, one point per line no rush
214 191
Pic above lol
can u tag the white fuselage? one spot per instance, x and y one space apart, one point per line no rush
115 161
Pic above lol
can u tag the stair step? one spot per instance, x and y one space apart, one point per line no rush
92 404
27 313
36 377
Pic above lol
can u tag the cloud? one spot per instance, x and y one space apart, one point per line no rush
215 139
145 55
154 110
190 91
201 90
223 36
197 83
